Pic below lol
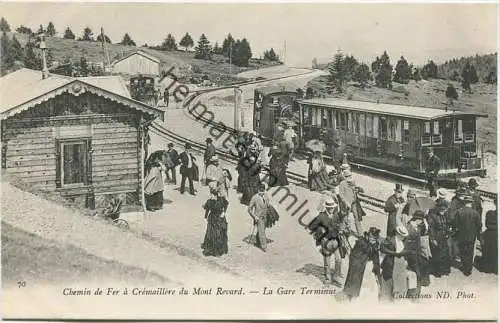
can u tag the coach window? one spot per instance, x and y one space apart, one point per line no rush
361 124
329 117
459 132
337 119
468 128
369 125
437 139
391 129
383 127
324 118
406 131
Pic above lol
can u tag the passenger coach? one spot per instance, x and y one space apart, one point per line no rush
394 137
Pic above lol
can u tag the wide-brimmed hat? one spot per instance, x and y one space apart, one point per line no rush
214 158
345 166
330 202
473 183
402 231
399 188
441 193
468 198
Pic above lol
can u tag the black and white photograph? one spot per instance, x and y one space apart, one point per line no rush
243 161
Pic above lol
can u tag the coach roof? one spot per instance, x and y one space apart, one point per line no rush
405 111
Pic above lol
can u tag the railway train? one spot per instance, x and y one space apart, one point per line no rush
385 137
143 88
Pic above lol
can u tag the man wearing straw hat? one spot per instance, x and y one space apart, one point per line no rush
328 228
258 208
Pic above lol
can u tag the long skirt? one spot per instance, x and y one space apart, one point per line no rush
154 201
215 242
250 188
440 260
489 258
355 274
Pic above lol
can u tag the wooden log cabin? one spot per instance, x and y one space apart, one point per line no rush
83 138
395 137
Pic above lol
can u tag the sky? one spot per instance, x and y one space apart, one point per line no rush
418 31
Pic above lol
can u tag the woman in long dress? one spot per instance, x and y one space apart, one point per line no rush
366 249
316 170
215 242
438 225
251 179
153 187
278 165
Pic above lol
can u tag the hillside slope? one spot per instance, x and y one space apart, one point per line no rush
186 66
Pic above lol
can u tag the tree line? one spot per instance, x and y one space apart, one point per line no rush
346 68
238 51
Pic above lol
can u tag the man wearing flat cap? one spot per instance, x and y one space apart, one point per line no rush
394 206
468 225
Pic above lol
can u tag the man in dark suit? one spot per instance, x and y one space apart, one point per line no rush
477 203
432 168
172 162
187 169
468 225
209 152
394 206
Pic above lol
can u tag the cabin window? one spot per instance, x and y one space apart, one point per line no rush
307 115
383 128
361 124
319 113
324 118
337 119
369 125
341 120
375 126
73 164
406 131
355 123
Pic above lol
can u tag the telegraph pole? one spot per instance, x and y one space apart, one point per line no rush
104 51
230 56
43 47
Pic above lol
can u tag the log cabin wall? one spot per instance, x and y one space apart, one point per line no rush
102 134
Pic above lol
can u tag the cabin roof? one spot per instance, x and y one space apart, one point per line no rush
25 88
138 52
275 89
406 111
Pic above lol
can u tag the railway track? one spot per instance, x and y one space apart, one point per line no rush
371 200
293 177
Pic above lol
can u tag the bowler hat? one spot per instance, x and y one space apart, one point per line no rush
170 145
398 188
473 183
209 140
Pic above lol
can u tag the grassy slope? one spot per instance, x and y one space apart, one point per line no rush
184 62
429 94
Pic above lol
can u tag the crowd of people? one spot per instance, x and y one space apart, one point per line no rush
424 236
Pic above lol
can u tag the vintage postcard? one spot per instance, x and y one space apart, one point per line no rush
236 161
